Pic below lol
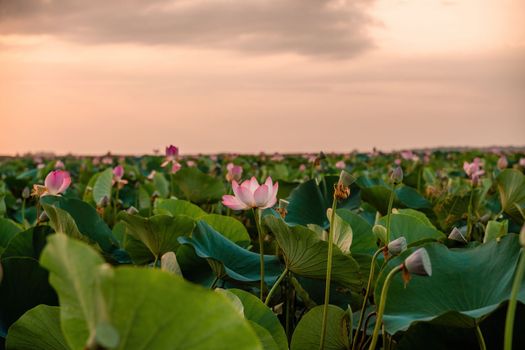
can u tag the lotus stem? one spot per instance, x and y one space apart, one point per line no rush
469 215
257 215
511 310
328 274
480 338
115 204
275 285
363 307
389 214
382 303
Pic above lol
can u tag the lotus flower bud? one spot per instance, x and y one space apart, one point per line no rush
171 152
397 175
457 235
502 162
118 171
380 232
397 246
132 210
418 263
234 172
26 193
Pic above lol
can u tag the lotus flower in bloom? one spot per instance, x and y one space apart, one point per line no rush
56 182
59 164
175 167
473 170
340 164
234 172
250 194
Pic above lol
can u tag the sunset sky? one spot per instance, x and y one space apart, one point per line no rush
130 76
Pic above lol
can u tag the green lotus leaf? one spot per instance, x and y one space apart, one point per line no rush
8 228
197 187
147 308
306 254
511 187
239 264
466 285
410 226
102 186
363 240
174 207
307 334
87 220
150 238
24 283
256 311
310 200
41 322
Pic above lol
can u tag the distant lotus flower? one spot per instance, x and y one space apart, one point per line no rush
252 195
397 246
118 173
277 157
96 161
59 164
340 165
302 168
234 172
473 170
175 167
418 263
502 162
172 153
409 155
397 161
191 163
56 182
107 160
457 235
522 162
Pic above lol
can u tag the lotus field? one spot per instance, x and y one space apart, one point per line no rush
402 250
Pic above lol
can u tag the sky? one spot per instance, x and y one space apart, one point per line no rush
131 76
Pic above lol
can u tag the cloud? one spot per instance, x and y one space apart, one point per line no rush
305 27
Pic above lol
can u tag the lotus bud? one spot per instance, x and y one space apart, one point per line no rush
502 162
522 236
397 175
417 263
283 204
26 193
457 235
118 171
397 246
380 232
132 210
234 172
171 152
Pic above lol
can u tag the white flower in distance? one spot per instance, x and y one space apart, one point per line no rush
250 194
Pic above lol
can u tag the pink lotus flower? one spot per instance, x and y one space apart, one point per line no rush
522 162
340 164
59 165
473 170
234 172
56 182
252 195
118 173
172 153
502 163
175 167
191 163
302 168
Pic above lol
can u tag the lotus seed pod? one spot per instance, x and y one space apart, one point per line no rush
345 178
397 246
457 235
418 263
397 175
380 232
